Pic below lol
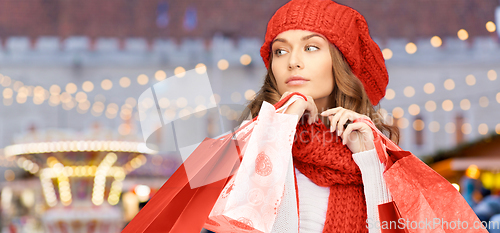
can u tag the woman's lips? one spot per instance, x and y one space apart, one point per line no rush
297 82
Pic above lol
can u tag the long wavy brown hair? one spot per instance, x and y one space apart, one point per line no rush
348 92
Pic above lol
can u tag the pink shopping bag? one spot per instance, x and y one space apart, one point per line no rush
251 199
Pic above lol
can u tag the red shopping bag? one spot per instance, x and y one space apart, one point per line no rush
177 207
389 213
423 200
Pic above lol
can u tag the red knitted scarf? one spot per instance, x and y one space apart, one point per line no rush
320 156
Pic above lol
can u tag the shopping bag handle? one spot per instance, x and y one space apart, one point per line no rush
379 136
277 106
284 100
389 143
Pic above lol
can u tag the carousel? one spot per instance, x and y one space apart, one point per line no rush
80 178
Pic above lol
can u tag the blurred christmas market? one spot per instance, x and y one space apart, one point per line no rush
73 157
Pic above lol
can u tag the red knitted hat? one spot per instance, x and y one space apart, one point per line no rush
342 26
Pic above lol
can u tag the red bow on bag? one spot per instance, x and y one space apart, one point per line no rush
180 206
423 200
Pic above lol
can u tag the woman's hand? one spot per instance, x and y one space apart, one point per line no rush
300 106
357 136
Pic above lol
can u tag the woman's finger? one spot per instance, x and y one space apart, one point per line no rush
358 131
346 136
330 118
335 119
348 115
285 94
331 111
315 110
312 109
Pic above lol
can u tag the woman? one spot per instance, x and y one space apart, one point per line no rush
323 50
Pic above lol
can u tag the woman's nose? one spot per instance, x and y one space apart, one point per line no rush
295 61
293 65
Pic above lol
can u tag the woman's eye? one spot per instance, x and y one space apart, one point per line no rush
311 46
277 52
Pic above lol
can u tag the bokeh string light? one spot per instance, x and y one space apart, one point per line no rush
446 105
55 96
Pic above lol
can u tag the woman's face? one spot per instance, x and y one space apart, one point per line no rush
304 54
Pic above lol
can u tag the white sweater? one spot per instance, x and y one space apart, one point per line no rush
313 199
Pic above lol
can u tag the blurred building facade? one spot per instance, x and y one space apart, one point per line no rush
47 43
81 65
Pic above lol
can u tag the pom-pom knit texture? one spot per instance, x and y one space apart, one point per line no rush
342 26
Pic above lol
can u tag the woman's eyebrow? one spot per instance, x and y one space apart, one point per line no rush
303 38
